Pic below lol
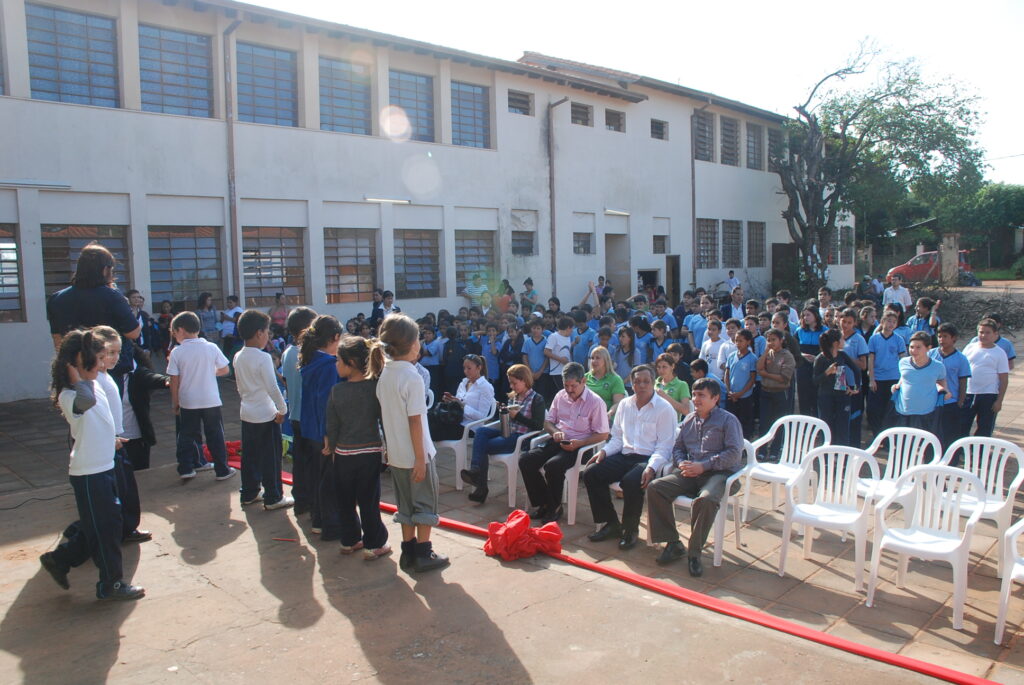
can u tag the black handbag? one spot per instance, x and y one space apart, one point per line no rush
446 413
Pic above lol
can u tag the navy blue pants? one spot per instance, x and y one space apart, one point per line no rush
261 461
807 390
99 530
128 493
357 484
878 405
626 469
304 465
979 407
192 425
774 405
951 424
834 409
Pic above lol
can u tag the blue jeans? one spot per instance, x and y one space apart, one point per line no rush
489 441
192 424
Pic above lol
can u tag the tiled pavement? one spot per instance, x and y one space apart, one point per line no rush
817 592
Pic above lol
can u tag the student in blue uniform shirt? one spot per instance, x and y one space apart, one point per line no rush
884 351
1002 342
583 338
808 336
699 369
490 349
740 376
627 355
660 313
958 370
856 348
642 336
925 316
431 350
659 339
533 350
752 324
914 394
901 328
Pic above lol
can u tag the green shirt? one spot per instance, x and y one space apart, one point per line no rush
607 387
676 389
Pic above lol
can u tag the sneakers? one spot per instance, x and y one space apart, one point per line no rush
231 472
408 552
208 466
59 575
138 536
282 503
316 530
348 549
374 554
120 592
254 500
427 559
186 477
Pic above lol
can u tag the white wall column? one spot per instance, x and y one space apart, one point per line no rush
14 43
128 54
309 82
380 89
386 269
316 281
443 97
138 243
450 284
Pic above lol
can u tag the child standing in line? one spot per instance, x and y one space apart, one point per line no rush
193 367
740 376
262 410
319 345
353 446
958 370
914 393
305 462
885 348
836 378
85 406
410 451
557 352
431 359
990 375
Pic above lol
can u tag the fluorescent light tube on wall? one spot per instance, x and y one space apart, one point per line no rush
615 212
390 200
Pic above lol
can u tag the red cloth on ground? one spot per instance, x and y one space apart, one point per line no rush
515 539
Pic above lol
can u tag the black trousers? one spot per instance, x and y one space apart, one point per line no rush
545 490
128 494
99 530
807 391
979 407
834 409
261 461
137 452
304 461
357 484
627 470
878 405
743 409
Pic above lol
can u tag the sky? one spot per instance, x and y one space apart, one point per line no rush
764 54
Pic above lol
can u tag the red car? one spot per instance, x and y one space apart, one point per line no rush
924 267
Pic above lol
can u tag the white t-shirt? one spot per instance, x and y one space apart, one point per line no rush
709 351
727 348
195 361
986 365
93 433
559 346
261 399
228 327
132 430
902 296
401 394
113 400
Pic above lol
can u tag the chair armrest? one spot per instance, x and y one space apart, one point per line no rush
493 424
591 449
765 439
525 437
541 438
476 424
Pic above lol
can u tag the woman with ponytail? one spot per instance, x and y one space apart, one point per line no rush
75 391
318 346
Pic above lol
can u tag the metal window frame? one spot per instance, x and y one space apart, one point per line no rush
60 237
12 314
704 136
346 103
417 252
521 237
578 108
757 246
471 114
611 125
475 252
663 248
663 125
361 268
271 265
755 146
577 244
528 97
730 141
732 244
414 93
163 259
707 243
281 106
160 90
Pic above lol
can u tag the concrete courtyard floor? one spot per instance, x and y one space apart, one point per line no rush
227 603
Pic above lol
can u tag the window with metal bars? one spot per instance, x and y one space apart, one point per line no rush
730 141
523 243
184 261
11 305
350 261
755 146
417 264
474 254
175 72
707 243
846 245
520 103
615 121
273 262
660 244
704 136
732 244
471 115
774 149
581 114
267 85
659 129
756 246
62 243
344 96
583 243
72 56
414 93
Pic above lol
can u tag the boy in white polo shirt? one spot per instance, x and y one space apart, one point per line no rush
990 374
193 367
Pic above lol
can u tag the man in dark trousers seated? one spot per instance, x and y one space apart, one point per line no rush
708 450
642 434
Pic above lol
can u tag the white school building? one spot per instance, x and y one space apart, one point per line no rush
217 146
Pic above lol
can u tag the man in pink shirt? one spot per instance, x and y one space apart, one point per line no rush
577 418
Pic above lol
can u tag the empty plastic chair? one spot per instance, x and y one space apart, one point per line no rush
800 434
906 448
460 446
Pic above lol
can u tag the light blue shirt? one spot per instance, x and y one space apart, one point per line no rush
620 360
669 320
491 358
957 367
921 323
293 379
887 353
917 393
582 342
855 346
432 352
699 327
740 371
535 353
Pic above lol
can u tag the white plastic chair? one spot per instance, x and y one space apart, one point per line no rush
719 529
460 446
430 398
823 494
987 459
1013 569
510 460
934 531
907 448
800 434
570 492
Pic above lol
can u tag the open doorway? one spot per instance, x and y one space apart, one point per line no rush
616 264
672 293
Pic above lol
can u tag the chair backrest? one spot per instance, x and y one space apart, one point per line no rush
987 459
430 398
907 448
749 455
838 469
800 434
939 498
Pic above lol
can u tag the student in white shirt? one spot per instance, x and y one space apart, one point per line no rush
557 350
229 324
712 344
990 375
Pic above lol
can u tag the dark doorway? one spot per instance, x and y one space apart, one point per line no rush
672 280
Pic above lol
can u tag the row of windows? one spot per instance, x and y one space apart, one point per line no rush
730 147
730 237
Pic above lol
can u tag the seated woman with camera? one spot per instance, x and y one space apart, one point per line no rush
472 401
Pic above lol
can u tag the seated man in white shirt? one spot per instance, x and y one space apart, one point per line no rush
643 432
